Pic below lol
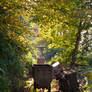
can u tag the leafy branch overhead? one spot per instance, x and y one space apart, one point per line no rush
59 23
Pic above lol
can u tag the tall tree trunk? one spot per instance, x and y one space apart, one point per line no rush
75 51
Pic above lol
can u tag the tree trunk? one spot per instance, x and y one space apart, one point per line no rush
75 51
69 83
72 82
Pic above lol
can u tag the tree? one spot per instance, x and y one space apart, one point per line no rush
14 43
61 24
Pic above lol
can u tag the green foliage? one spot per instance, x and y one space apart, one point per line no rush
84 60
59 23
89 59
52 52
13 43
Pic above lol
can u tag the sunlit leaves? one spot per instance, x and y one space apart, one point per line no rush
59 22
14 43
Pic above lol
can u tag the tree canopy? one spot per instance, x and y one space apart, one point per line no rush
61 24
14 44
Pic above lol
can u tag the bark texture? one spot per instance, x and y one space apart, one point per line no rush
75 51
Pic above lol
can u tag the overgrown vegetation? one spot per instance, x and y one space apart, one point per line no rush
14 44
63 26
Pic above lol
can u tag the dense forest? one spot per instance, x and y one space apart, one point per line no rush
62 27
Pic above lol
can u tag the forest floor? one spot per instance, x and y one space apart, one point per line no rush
54 86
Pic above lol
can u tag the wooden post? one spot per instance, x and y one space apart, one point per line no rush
69 83
72 82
